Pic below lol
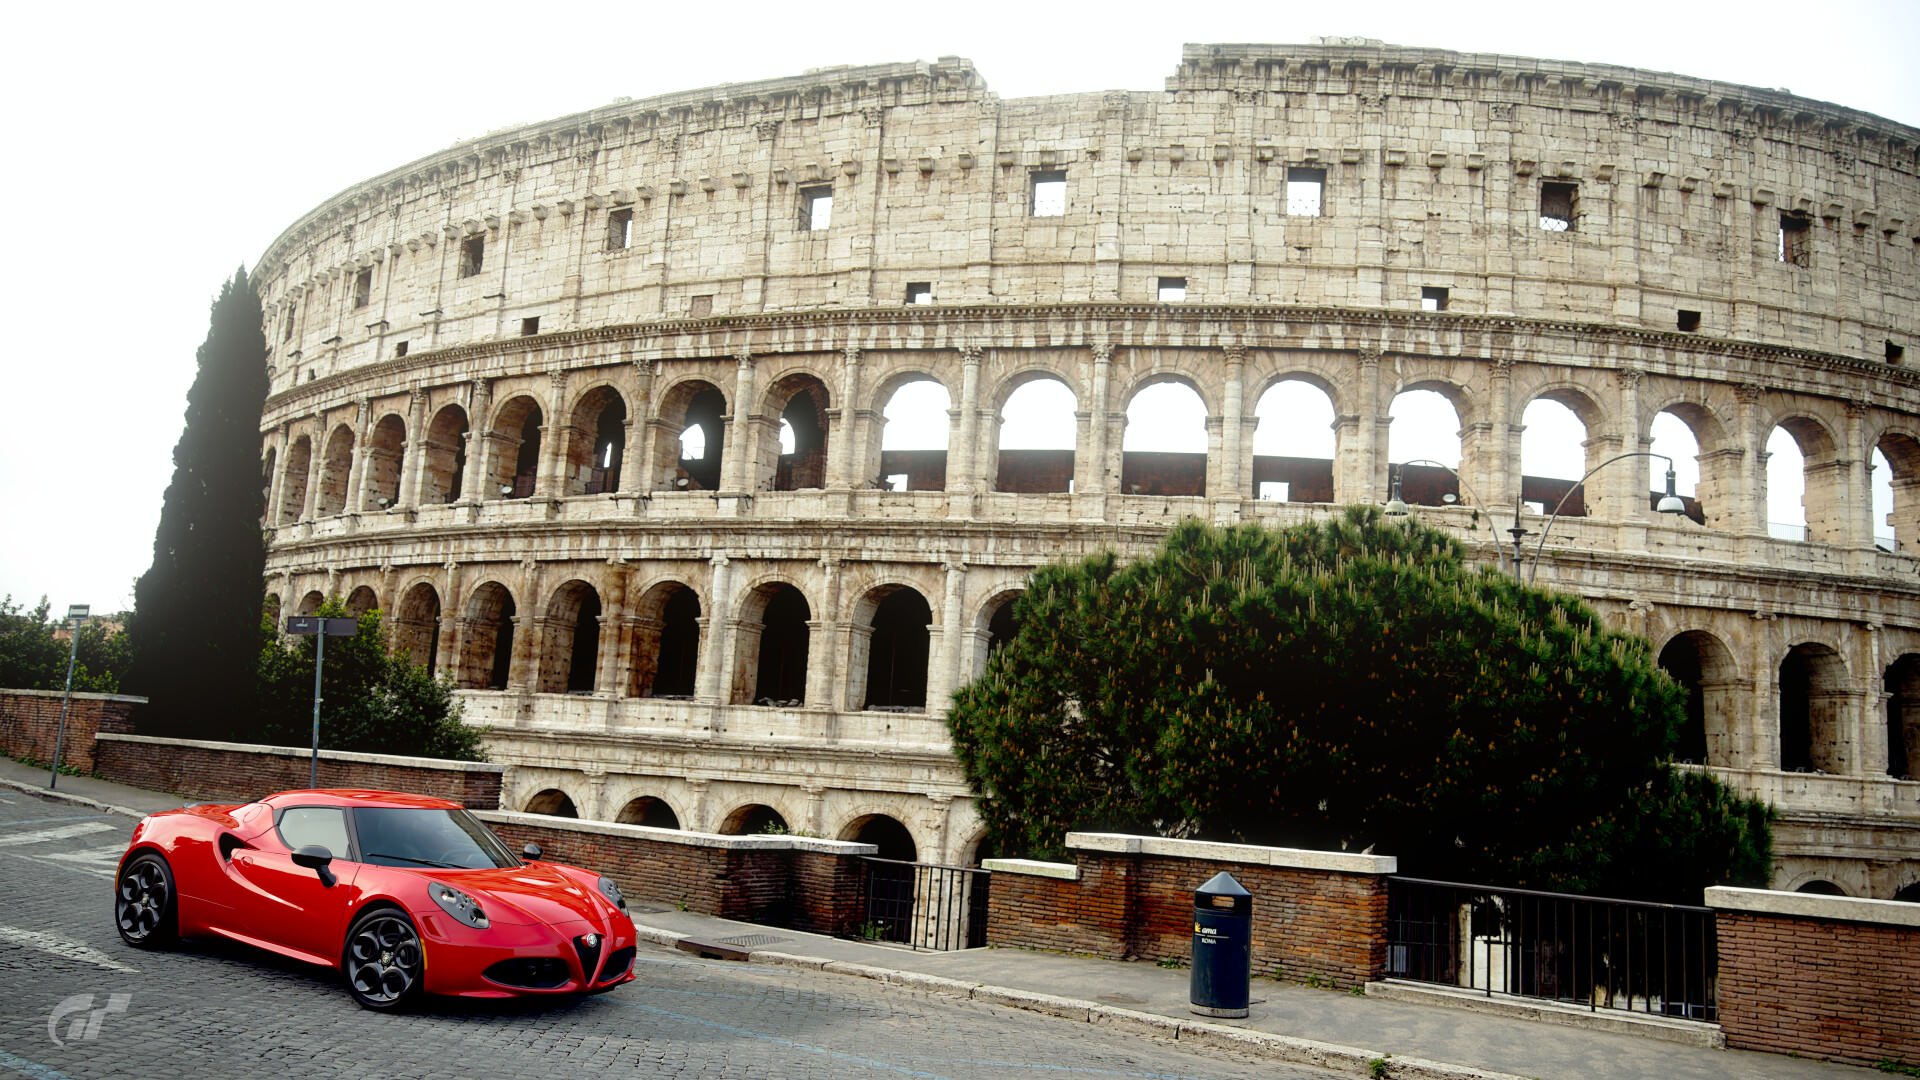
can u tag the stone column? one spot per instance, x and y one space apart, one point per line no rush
1856 528
1749 504
1229 481
357 470
1629 489
1366 474
1097 476
315 462
715 647
1499 474
275 482
963 449
610 661
551 482
414 447
637 464
1866 729
823 653
945 667
448 649
476 481
736 477
847 443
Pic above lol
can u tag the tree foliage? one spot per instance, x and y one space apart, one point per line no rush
1346 684
31 658
373 700
197 608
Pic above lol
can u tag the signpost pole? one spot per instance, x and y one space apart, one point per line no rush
319 664
76 614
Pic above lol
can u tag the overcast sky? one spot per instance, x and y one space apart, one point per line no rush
156 147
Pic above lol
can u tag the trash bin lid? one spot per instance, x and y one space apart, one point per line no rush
1221 884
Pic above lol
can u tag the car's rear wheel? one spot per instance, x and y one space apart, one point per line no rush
383 961
144 906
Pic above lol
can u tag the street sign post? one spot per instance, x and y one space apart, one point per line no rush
76 615
314 625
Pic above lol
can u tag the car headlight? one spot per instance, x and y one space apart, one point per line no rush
458 904
612 892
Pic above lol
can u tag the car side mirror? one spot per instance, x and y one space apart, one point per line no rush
530 852
319 860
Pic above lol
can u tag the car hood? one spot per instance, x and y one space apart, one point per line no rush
530 893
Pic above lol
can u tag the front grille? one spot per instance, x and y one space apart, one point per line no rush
531 972
589 954
618 961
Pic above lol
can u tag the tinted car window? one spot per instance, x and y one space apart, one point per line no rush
393 836
322 825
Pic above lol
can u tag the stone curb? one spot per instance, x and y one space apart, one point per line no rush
65 796
1351 1060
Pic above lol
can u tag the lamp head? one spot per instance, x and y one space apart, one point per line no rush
1396 506
1670 503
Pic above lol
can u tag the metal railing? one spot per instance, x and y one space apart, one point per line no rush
1580 950
924 906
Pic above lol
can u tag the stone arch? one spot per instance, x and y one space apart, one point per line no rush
270 611
570 640
1909 893
1296 440
800 401
267 462
1561 438
1902 686
416 625
552 802
1416 435
753 819
994 624
775 633
293 485
445 457
911 439
386 463
596 442
310 603
1815 491
885 832
336 469
1154 460
650 811
1813 708
891 645
1820 887
666 642
689 406
1700 662
486 638
362 600
513 454
1030 459
1900 515
1706 464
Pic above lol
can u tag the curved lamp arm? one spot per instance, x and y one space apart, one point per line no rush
1396 507
1670 503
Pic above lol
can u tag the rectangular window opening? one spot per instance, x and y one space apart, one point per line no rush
1796 239
1688 320
473 252
363 288
399 349
816 208
1172 289
919 292
1306 189
1049 193
530 326
1895 353
1433 298
1557 205
699 307
286 328
620 229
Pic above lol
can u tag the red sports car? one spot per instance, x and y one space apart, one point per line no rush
404 894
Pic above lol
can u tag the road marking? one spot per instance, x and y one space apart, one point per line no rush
63 832
100 856
27 1067
61 947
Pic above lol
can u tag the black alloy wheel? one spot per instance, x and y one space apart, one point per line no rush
143 902
383 962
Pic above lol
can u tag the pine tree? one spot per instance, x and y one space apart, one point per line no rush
196 626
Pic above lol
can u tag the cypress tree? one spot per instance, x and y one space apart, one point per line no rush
196 625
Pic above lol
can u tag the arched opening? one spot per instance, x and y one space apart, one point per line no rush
416 630
266 485
1786 487
445 456
552 802
336 468
514 460
649 812
1677 437
1903 717
1425 428
1164 448
774 646
1036 438
1910 894
1820 887
890 893
1813 495
689 441
596 443
753 820
293 485
666 647
1703 665
1294 444
893 839
570 650
994 625
1002 625
270 611
1813 697
1553 458
897 648
310 603
386 459
361 600
486 639
913 439
801 461
1896 493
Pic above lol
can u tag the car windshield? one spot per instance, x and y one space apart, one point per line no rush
450 839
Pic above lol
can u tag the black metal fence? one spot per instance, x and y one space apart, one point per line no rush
1579 950
925 906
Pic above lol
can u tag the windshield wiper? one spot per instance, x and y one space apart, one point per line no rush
411 859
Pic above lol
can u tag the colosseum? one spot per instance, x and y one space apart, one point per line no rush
610 413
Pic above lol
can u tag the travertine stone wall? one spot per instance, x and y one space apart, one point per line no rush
433 444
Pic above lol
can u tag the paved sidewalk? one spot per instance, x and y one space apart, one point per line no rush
1338 1030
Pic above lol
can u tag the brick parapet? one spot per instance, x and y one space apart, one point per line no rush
195 769
30 724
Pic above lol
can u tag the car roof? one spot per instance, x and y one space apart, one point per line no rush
357 797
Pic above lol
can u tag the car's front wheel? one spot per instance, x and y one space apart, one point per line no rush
383 960
144 907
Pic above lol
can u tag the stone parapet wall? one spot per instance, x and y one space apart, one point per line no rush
30 724
239 772
1819 976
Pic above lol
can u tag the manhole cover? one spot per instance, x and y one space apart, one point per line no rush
753 941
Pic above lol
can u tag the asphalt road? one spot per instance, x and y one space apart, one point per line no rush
77 1002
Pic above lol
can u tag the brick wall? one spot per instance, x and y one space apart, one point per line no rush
1819 976
29 720
1315 914
217 771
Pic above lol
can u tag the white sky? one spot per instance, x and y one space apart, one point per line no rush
159 146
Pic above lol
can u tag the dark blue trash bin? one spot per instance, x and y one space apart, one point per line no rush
1222 980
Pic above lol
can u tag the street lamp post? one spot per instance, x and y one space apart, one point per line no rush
1669 503
76 614
1519 532
1397 507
